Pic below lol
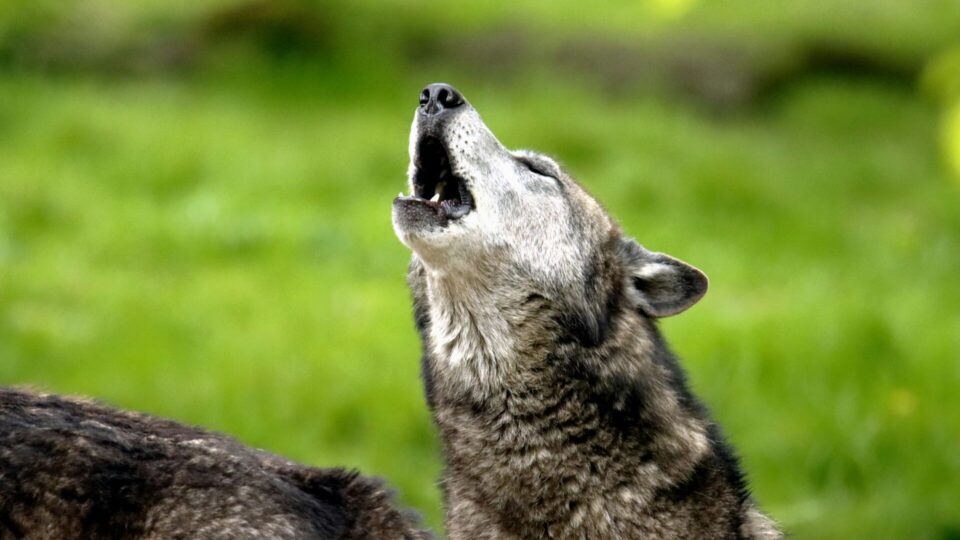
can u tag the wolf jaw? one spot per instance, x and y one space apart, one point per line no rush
561 411
436 188
434 181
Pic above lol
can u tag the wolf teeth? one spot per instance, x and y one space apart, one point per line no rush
435 198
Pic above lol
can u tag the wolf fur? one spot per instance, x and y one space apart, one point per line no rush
562 413
74 469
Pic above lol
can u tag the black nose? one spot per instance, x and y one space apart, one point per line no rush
439 97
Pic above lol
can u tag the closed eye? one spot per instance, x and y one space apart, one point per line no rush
534 167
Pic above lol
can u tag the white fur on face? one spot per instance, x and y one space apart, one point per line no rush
523 221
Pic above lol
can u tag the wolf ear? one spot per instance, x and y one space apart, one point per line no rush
659 284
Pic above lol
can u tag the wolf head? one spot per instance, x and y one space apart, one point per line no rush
508 235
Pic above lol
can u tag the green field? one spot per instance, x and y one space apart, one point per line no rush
213 244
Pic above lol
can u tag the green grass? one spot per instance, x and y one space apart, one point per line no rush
219 250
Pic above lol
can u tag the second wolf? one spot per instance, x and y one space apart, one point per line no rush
561 410
73 469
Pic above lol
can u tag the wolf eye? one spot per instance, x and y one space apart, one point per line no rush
535 167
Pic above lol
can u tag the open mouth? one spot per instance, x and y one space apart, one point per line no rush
435 185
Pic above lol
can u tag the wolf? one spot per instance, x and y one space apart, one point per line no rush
561 411
73 469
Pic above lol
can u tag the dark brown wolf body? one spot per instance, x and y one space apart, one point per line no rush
74 469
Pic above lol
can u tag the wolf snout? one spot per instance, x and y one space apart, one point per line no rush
439 98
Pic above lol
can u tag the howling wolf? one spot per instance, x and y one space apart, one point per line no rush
71 469
561 411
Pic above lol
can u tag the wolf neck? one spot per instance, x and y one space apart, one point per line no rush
485 344
472 333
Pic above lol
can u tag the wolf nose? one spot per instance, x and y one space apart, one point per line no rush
439 97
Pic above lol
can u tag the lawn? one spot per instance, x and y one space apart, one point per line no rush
217 248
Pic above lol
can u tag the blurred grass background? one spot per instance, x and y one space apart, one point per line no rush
195 218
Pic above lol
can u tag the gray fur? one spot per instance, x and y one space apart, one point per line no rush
561 411
74 469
